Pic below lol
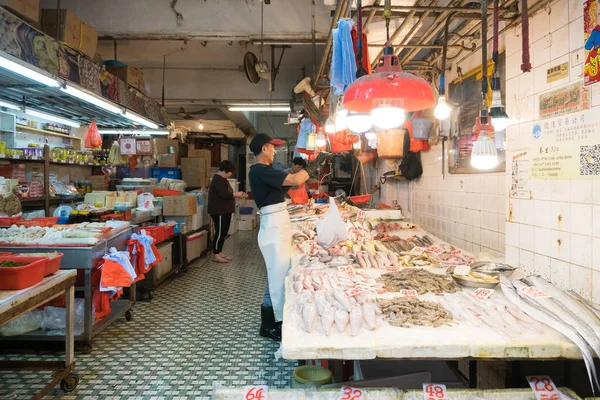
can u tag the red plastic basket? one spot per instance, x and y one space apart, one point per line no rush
17 278
53 264
9 221
47 222
165 192
168 231
361 199
155 232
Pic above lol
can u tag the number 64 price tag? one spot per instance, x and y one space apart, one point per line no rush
350 393
434 391
256 393
543 388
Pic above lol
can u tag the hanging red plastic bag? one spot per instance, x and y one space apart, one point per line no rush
92 138
299 195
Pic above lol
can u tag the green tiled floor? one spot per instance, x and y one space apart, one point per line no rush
200 330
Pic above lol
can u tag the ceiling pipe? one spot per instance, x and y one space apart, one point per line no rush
423 46
431 14
300 38
339 11
429 8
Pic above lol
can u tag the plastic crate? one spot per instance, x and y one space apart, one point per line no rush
171 173
9 221
246 210
43 222
155 232
165 192
52 265
140 172
17 278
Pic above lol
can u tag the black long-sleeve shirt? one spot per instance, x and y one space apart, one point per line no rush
220 196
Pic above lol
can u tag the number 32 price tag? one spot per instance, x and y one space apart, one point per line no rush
256 393
434 391
350 393
543 388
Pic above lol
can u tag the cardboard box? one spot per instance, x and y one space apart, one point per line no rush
180 206
96 197
194 172
164 146
188 223
98 182
28 9
166 265
246 225
73 31
133 76
167 160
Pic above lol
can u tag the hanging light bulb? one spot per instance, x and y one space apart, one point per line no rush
359 122
370 135
340 119
442 110
329 125
201 126
321 140
500 119
387 113
484 154
357 145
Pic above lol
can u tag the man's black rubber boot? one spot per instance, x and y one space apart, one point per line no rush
268 327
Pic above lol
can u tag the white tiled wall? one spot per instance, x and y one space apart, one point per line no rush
465 210
557 233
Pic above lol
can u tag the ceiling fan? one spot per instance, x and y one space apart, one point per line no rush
192 115
254 68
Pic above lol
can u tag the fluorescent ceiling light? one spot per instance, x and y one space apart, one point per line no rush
141 120
264 108
10 106
49 117
80 94
27 72
158 132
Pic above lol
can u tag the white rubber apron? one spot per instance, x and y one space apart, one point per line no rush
275 242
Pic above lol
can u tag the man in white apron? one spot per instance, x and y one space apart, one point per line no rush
275 232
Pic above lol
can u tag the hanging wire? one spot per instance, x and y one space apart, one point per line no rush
387 14
262 29
484 77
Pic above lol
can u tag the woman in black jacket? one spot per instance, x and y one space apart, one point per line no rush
221 205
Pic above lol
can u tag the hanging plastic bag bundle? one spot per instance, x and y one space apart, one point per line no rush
331 229
92 137
343 63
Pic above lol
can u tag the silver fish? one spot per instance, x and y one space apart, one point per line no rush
536 312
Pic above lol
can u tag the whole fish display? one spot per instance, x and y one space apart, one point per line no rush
535 311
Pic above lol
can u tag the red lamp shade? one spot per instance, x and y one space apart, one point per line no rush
389 85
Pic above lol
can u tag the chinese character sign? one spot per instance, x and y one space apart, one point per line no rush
591 35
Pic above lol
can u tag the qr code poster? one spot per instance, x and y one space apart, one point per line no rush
566 147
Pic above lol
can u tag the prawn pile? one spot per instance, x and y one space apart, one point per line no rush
418 279
405 312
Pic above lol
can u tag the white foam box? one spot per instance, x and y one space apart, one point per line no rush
166 265
195 244
384 214
234 227
247 225
188 221
247 217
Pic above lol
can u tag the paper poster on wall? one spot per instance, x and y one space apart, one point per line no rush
567 147
564 100
591 37
557 72
519 185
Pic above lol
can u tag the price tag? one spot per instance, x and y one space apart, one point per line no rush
417 251
2 155
413 294
360 217
483 293
462 270
63 161
71 162
456 252
81 163
347 269
543 388
434 391
256 392
350 393
16 157
535 293
54 160
435 250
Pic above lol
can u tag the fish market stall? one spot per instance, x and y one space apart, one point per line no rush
15 303
401 293
82 252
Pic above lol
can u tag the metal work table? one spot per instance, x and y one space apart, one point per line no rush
14 303
84 260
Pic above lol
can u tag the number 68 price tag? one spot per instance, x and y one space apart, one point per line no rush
434 391
256 393
543 388
350 393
